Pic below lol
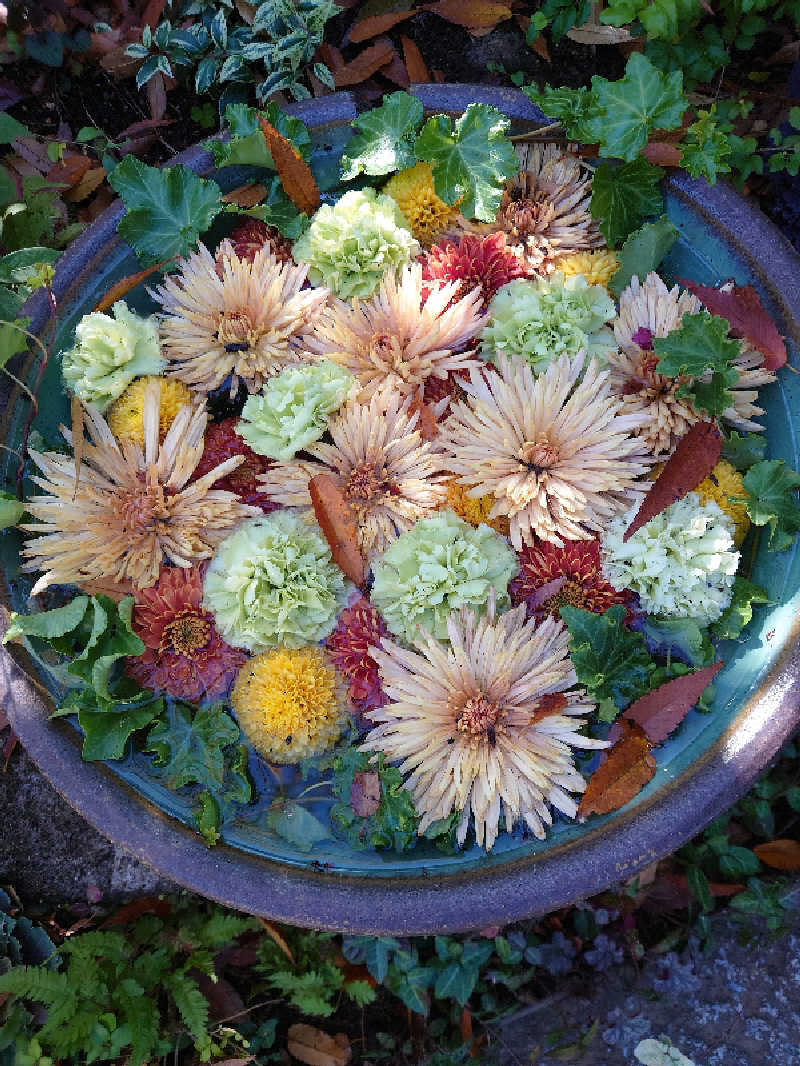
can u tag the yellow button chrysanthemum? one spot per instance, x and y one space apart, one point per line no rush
724 481
125 414
413 192
597 267
289 703
474 511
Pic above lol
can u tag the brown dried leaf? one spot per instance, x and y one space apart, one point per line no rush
426 424
124 285
742 307
599 34
295 174
156 91
247 11
154 9
789 53
693 460
662 710
91 180
331 56
474 14
780 854
336 521
118 64
131 911
365 795
278 939
69 171
662 154
76 417
415 64
622 776
377 24
396 72
550 703
312 1046
365 64
115 590
245 195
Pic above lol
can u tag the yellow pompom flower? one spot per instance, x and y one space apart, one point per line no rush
597 267
413 192
290 703
724 481
124 417
473 511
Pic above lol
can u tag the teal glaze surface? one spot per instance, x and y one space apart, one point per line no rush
700 255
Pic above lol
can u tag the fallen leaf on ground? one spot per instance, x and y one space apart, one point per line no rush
336 521
780 854
245 195
154 9
622 776
9 744
129 912
696 455
312 1046
742 307
69 171
474 14
91 180
365 63
298 182
415 64
365 794
662 154
124 285
377 24
662 710
598 34
396 72
156 96
278 939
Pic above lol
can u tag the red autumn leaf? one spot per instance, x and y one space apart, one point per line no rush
297 180
69 171
124 285
693 460
622 776
131 911
662 154
415 64
780 854
365 63
245 195
365 795
474 14
742 307
377 24
91 180
662 710
338 525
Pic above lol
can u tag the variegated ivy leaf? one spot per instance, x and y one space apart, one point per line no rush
385 138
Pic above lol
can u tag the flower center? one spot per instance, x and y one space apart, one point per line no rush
186 634
364 484
523 217
538 455
144 507
644 338
571 594
386 352
478 718
237 331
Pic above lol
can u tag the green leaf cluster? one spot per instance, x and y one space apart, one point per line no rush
247 145
643 252
705 149
739 611
699 347
659 18
393 825
771 488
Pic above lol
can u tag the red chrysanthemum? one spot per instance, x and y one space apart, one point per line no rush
221 442
358 628
184 654
551 577
251 235
484 261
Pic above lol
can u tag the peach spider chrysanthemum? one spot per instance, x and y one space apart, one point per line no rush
235 316
394 338
480 727
388 473
130 509
555 450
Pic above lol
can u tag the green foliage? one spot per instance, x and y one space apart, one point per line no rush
247 144
393 825
680 638
705 148
290 820
385 139
739 611
701 345
167 209
659 18
561 16
743 450
612 662
642 252
770 500
699 54
624 196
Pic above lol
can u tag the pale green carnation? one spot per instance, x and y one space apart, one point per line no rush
351 245
542 319
273 582
441 564
109 353
292 411
681 563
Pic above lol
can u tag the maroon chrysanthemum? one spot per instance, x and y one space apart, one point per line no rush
184 654
358 628
484 261
221 442
551 577
251 235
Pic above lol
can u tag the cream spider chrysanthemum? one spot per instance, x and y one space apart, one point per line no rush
481 727
648 311
556 451
397 339
389 475
130 509
235 316
545 209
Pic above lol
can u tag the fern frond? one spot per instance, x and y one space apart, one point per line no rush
191 1004
35 982
66 1033
97 944
218 930
143 1018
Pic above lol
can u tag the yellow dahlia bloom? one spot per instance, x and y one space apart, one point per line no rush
475 511
555 450
130 509
290 703
723 482
235 316
476 726
414 193
597 267
126 415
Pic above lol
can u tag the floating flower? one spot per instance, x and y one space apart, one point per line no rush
555 450
292 411
289 704
184 654
545 210
551 577
395 339
723 482
473 261
476 510
440 565
360 628
389 474
129 509
233 316
223 442
350 246
126 415
251 235
109 353
274 582
414 193
681 563
597 267
541 319
476 726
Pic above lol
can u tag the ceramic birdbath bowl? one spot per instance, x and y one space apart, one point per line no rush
705 767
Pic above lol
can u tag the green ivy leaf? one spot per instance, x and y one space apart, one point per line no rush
705 149
385 139
189 747
48 624
659 18
679 638
473 160
167 210
770 500
279 211
111 638
247 146
624 196
743 451
642 252
611 661
11 510
628 109
701 345
393 825
294 823
573 108
107 728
